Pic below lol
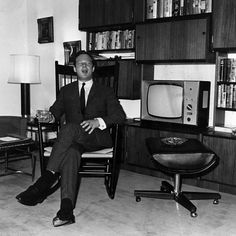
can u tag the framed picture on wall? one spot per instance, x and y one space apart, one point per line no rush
45 30
70 49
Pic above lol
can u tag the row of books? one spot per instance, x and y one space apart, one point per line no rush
227 70
226 96
119 39
170 8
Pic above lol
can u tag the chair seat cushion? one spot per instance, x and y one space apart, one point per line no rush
184 161
106 152
190 157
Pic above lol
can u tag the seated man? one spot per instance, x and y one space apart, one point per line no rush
86 129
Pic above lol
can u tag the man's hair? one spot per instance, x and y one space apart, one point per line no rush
82 52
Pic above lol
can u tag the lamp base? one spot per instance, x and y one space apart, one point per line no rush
25 100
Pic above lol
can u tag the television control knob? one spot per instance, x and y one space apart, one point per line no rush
188 119
189 107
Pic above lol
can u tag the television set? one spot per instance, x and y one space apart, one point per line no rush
176 101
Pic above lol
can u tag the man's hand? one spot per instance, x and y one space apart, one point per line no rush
90 125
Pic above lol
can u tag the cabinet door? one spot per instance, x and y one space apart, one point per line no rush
136 150
101 13
177 40
139 11
224 24
130 76
91 13
129 80
118 12
225 172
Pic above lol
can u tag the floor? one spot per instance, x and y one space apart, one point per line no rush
97 215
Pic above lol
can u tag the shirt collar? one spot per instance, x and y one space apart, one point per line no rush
88 83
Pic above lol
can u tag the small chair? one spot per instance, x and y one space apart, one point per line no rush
102 163
15 145
188 159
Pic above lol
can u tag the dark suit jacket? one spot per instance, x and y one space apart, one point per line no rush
102 102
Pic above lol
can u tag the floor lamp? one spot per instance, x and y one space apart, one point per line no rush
24 70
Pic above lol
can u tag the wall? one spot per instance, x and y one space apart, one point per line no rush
13 31
65 16
20 34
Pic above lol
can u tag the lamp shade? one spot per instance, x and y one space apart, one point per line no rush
24 69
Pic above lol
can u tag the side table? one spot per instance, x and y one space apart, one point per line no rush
16 148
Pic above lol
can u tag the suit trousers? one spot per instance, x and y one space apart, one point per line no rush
65 158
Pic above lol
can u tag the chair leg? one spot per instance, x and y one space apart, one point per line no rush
174 192
33 165
6 162
111 180
152 194
166 187
185 202
110 184
202 195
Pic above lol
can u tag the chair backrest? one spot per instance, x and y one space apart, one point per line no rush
106 72
13 125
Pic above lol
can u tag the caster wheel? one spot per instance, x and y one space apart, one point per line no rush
163 189
216 201
138 199
193 214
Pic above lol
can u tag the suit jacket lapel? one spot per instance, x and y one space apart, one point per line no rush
75 95
92 93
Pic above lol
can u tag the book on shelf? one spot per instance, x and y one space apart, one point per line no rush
234 97
219 95
188 7
227 70
175 7
149 9
121 55
232 73
208 6
226 96
182 11
111 40
171 8
167 8
154 9
196 6
154 13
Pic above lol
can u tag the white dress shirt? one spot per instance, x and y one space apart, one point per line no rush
87 87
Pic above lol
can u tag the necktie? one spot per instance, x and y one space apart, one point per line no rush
82 99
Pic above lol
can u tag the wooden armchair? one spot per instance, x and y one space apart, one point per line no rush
15 145
102 163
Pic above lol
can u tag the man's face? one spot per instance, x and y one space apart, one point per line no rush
84 67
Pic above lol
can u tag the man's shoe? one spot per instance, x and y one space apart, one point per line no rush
58 222
39 191
65 214
31 196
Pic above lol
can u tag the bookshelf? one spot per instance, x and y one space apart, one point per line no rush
226 83
171 8
110 27
113 40
224 34
225 90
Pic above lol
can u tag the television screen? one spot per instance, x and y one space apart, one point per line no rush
165 100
